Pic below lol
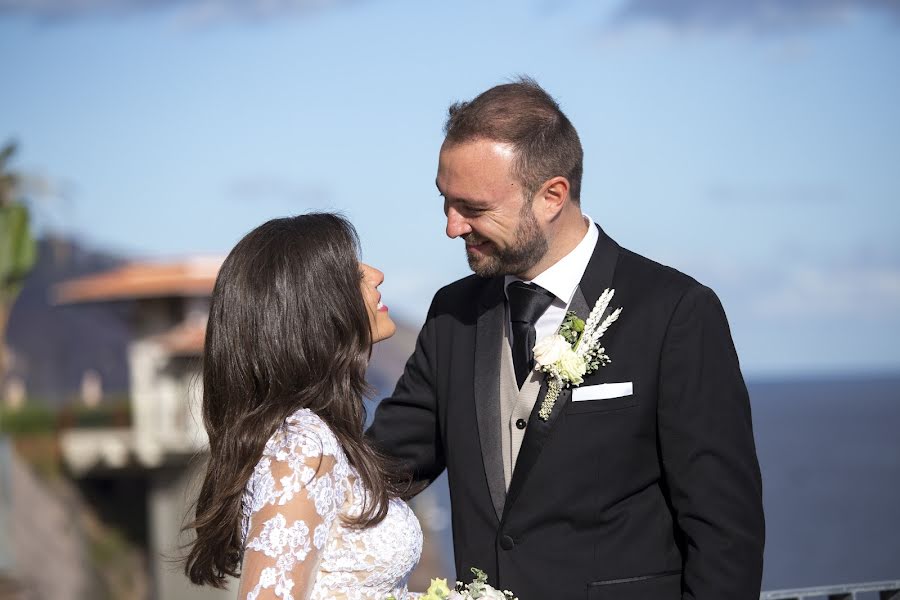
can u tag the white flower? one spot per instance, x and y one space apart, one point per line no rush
491 594
568 362
478 589
572 367
550 349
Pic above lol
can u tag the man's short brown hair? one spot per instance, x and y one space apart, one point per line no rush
523 115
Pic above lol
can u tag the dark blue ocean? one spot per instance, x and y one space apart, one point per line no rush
829 451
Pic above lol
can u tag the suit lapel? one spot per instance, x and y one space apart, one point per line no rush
488 348
597 277
599 273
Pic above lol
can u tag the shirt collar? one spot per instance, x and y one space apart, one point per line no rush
562 278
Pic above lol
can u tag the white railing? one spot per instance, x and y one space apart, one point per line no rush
887 590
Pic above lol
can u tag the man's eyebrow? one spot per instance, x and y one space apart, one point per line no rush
469 202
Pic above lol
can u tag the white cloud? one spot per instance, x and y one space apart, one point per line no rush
801 285
754 16
800 309
189 12
867 293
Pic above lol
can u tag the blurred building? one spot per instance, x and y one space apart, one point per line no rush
160 450
170 303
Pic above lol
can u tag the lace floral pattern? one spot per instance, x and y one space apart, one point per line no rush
296 546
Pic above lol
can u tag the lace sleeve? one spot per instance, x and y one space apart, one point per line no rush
293 506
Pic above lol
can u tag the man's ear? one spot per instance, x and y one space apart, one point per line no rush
553 196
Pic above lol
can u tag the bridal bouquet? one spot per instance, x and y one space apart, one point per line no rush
477 590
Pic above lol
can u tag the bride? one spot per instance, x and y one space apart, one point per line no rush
295 500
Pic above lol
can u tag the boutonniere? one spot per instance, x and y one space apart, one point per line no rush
573 351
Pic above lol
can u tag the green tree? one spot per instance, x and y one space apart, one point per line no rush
18 248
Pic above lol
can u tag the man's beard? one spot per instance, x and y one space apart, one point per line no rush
529 247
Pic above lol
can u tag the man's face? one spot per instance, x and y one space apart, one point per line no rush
485 206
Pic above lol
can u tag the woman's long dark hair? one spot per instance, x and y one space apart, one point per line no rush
288 329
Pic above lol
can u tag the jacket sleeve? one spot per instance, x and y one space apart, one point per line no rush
708 453
406 424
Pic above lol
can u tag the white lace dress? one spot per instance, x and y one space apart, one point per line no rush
295 543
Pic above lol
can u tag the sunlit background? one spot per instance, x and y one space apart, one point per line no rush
753 144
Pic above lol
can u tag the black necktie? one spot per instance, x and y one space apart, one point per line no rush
527 302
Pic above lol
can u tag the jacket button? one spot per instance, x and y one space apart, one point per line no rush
507 542
521 423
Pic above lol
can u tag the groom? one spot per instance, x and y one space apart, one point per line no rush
642 482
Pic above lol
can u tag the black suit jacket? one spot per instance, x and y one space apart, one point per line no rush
656 495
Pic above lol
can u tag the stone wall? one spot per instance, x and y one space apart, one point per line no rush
41 550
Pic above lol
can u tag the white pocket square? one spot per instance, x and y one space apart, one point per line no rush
603 391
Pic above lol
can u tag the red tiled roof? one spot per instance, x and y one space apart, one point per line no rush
185 339
193 277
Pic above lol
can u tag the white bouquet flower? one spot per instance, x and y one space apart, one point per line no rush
477 590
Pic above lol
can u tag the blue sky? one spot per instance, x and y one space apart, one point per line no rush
753 144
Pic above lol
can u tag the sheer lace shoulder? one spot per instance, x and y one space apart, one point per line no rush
290 505
295 544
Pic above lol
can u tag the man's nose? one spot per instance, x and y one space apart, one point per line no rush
457 225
